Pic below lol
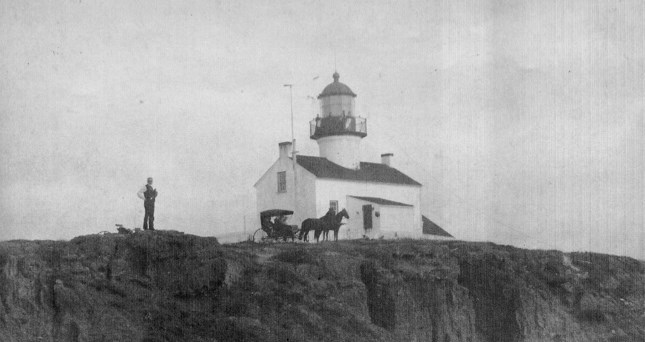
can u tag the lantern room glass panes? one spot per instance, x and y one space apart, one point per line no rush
337 105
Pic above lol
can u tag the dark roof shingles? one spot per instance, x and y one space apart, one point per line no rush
368 172
431 228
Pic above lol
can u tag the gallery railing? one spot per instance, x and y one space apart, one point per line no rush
337 125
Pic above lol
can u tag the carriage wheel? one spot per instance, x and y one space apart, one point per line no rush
259 235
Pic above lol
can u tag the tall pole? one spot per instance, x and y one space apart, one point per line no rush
293 151
291 105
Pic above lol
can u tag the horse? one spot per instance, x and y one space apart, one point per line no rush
335 225
315 224
322 225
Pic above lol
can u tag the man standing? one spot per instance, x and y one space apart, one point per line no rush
148 195
329 216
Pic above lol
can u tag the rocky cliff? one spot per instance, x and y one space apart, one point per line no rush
168 286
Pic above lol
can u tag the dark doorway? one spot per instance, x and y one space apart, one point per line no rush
367 216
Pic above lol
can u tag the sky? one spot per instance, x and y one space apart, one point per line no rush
524 120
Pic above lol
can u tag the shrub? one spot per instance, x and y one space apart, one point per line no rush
282 274
554 273
237 329
295 256
138 258
110 287
52 253
4 258
627 287
383 256
592 315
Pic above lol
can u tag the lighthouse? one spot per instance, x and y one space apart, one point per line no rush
338 129
381 201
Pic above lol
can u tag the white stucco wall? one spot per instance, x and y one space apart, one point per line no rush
398 221
354 227
339 190
341 149
391 222
268 197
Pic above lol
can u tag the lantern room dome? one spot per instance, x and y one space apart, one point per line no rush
336 88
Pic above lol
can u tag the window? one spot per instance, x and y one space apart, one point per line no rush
334 205
282 181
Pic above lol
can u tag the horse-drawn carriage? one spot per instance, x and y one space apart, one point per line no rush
273 226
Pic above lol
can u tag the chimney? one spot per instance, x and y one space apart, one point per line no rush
285 149
386 158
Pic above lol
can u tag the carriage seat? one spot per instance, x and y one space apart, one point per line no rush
267 226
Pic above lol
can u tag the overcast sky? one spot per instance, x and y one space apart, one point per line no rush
523 119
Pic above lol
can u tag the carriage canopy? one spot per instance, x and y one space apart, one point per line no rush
267 214
275 212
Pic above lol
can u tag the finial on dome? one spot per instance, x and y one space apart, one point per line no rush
336 76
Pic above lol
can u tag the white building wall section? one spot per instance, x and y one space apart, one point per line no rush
306 206
341 149
339 190
388 221
397 221
268 197
354 228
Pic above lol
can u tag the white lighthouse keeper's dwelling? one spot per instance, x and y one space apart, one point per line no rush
381 201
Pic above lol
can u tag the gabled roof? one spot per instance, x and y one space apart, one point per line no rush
431 228
381 201
367 172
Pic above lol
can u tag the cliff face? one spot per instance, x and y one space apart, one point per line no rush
167 286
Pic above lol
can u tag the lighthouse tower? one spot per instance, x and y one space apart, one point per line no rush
380 200
337 129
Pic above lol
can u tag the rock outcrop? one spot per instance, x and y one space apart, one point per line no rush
169 286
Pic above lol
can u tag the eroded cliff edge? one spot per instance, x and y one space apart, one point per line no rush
168 286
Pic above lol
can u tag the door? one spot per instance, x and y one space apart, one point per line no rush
367 216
